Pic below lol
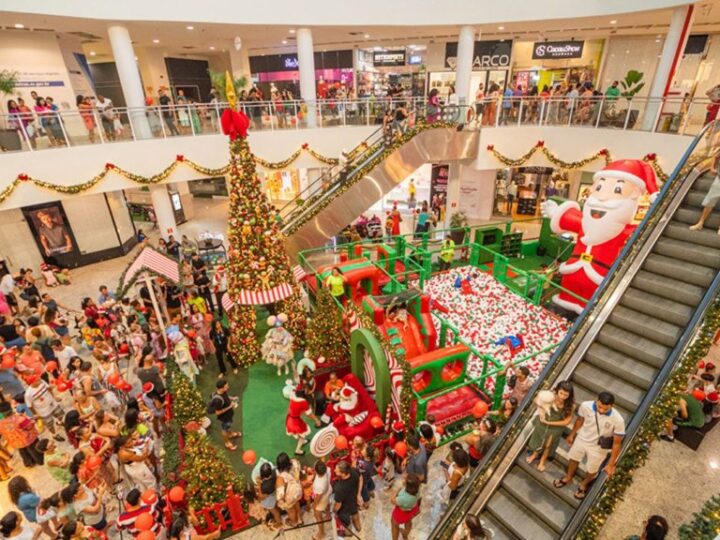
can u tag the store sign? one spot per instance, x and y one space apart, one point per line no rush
291 62
552 50
389 58
486 54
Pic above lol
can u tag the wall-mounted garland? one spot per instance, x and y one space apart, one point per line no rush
705 524
111 168
664 408
539 146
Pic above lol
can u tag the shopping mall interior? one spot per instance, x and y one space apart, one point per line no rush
373 271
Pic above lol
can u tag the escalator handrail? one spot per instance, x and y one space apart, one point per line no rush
525 410
659 383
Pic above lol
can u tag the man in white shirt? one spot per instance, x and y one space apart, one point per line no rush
63 353
598 431
42 403
219 285
107 115
7 287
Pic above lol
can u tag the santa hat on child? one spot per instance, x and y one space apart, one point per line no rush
636 171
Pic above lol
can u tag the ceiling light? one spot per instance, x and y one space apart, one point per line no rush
284 41
156 41
501 28
657 41
292 30
613 21
92 53
367 36
190 27
19 25
212 48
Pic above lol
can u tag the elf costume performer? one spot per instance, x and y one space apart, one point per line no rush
603 226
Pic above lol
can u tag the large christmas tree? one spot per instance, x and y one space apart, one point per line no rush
325 335
258 267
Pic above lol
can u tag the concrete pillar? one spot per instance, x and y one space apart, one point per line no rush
672 51
463 69
163 210
240 63
187 199
306 66
129 79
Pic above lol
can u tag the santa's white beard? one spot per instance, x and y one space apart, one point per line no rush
618 214
348 404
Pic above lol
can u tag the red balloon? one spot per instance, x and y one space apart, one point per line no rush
341 442
51 366
480 409
209 317
191 334
149 496
113 378
376 422
698 394
94 462
124 348
249 457
439 430
8 361
145 535
144 522
400 449
177 494
125 386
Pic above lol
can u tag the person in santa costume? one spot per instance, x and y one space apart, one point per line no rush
295 426
351 415
603 226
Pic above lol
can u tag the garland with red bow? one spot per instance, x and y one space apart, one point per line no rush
603 154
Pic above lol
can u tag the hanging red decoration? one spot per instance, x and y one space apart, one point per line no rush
234 124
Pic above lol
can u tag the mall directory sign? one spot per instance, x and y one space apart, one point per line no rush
554 50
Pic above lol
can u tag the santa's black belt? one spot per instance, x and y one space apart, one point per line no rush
588 258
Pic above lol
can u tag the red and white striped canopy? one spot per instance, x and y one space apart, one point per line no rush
258 298
150 260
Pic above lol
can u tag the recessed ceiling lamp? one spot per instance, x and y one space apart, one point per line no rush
156 41
92 53
292 30
212 48
367 36
284 41
19 25
501 28
190 27
613 21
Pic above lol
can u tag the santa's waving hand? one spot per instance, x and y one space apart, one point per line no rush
603 226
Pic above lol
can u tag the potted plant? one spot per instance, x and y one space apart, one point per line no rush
458 220
631 85
9 138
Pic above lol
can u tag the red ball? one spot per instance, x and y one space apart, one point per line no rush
376 422
51 366
113 378
480 409
8 361
177 494
144 522
341 442
400 449
149 496
698 394
124 348
249 457
94 462
145 535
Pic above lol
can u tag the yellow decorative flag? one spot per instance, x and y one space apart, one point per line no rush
230 90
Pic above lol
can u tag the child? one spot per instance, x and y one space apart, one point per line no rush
407 506
307 475
428 438
57 462
321 497
18 403
388 468
48 275
366 469
254 508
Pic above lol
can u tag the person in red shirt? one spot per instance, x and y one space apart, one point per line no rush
30 363
714 106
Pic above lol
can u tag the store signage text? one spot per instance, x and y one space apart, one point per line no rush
557 49
291 62
486 54
389 58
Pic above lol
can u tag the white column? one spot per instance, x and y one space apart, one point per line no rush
163 210
463 69
129 79
306 66
673 48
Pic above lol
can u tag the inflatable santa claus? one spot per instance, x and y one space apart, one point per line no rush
603 226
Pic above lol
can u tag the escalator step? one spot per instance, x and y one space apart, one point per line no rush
498 531
704 237
703 182
690 216
694 198
684 251
633 345
553 471
682 271
538 498
627 395
583 394
672 289
606 359
515 517
645 325
662 308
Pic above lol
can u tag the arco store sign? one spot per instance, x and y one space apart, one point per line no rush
552 50
486 54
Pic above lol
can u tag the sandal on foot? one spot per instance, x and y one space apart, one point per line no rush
230 446
696 227
580 494
236 434
560 482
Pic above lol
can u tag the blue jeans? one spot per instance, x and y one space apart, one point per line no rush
17 342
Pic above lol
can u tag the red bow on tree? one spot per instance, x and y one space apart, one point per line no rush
234 124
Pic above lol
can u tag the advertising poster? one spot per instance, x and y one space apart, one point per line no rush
438 188
52 233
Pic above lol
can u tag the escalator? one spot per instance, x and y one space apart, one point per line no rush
627 342
334 201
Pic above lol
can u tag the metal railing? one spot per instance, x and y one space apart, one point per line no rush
29 130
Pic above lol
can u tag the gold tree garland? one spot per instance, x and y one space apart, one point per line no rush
603 153
156 178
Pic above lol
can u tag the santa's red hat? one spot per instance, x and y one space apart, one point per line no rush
347 392
636 171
